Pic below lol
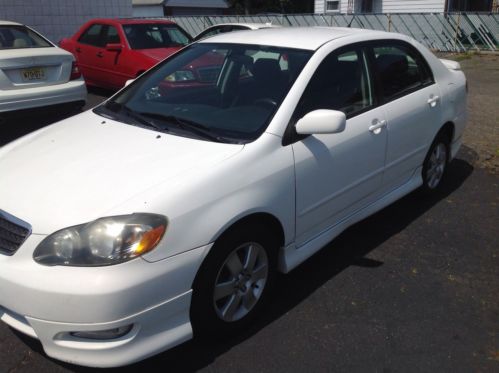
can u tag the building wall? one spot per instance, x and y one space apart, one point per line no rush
148 11
57 19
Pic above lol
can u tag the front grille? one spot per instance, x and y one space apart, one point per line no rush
13 232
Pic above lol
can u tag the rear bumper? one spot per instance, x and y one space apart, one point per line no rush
11 100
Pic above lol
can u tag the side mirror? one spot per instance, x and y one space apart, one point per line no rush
129 81
321 121
113 47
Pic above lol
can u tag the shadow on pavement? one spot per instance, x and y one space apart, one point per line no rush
349 249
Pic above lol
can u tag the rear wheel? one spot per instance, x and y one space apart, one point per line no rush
435 164
234 281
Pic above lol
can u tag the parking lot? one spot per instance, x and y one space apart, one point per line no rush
413 288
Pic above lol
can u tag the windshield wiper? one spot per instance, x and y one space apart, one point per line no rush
186 124
117 108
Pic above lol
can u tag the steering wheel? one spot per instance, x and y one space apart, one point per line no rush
267 101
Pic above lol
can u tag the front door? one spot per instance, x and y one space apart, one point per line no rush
336 174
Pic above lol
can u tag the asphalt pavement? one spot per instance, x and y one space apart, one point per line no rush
414 288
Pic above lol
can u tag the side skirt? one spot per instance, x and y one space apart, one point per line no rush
291 256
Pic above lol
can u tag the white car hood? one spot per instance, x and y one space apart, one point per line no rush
76 170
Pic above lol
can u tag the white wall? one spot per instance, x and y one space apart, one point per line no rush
391 6
56 19
416 6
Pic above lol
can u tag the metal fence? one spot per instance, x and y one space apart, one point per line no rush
449 32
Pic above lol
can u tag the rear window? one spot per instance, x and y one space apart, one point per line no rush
18 37
149 36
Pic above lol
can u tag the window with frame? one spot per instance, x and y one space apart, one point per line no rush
341 82
332 5
401 69
93 36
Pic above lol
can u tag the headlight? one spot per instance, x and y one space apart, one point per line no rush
181 75
102 242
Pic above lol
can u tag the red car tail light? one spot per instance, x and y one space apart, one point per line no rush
75 71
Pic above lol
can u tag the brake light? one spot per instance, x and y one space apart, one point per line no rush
75 71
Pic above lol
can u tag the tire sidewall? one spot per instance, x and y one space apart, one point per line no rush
204 318
441 139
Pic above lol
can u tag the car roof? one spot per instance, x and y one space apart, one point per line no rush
131 21
253 26
9 23
310 38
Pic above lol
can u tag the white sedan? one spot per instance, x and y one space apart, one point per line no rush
34 72
168 209
222 28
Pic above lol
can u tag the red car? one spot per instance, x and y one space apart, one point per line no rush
111 51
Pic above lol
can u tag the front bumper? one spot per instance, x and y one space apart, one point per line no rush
27 98
49 303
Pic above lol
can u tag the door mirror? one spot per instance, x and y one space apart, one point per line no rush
129 81
113 47
321 121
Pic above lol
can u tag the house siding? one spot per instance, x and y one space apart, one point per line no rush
148 11
390 6
56 19
413 6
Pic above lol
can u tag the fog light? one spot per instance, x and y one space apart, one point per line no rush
103 334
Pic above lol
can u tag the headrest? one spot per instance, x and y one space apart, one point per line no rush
392 63
19 43
266 68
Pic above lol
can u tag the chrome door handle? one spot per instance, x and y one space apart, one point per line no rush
377 125
100 54
432 101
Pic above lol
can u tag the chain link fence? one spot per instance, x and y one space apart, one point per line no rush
448 32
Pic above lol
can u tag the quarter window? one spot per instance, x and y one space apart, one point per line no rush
341 82
401 70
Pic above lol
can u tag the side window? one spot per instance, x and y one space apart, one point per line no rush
341 82
112 36
92 36
401 70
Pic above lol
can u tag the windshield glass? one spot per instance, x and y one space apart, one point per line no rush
161 35
219 92
17 37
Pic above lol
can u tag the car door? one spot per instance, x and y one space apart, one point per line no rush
113 69
337 174
88 45
411 102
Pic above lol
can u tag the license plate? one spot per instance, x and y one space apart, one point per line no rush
33 74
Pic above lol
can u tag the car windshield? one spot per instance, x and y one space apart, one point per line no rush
17 37
155 35
217 92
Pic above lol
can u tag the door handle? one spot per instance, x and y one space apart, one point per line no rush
432 101
78 49
99 54
377 126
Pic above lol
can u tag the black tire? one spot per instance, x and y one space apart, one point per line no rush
435 164
206 312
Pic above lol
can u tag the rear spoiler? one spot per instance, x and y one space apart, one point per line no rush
451 65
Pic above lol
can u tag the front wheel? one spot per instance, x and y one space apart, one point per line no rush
435 164
234 282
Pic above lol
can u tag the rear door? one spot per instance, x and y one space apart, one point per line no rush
88 46
412 107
